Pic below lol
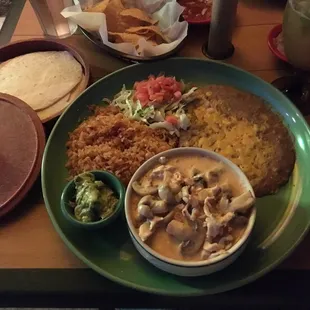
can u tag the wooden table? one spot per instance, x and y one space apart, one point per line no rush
35 262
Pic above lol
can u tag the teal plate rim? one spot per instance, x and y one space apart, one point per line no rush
159 291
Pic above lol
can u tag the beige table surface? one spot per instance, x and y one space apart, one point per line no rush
27 237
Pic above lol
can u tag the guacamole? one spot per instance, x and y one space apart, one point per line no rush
94 200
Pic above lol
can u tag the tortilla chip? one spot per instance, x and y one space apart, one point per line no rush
139 15
113 17
123 37
154 31
98 8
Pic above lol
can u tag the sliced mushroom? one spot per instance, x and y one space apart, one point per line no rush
179 230
212 175
165 193
226 189
194 171
242 203
145 211
198 177
185 193
177 177
145 231
192 246
157 206
143 190
169 217
146 200
158 172
155 222
175 187
197 187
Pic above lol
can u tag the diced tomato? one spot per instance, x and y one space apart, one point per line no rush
177 95
172 119
143 98
157 90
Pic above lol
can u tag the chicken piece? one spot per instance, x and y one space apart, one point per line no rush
209 248
223 205
206 208
214 228
242 203
191 214
193 201
179 230
209 192
224 241
225 219
218 253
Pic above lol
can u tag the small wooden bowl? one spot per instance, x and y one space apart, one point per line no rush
40 45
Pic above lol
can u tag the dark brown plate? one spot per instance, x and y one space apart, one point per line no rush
39 45
124 56
22 142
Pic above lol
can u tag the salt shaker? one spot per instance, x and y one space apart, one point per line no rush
219 44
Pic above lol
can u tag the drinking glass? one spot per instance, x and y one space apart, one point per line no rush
296 33
53 24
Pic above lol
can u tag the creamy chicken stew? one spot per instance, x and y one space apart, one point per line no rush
190 208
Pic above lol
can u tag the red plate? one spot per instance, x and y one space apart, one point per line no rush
22 141
273 34
194 7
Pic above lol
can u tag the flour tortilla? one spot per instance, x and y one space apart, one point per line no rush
59 106
40 79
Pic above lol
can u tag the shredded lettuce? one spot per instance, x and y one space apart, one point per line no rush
155 117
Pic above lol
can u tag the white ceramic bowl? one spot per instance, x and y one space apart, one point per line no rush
183 268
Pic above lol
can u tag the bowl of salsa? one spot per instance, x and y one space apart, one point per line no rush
197 11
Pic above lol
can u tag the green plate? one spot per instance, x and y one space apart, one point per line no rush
282 219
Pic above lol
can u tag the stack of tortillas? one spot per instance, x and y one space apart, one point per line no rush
46 81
